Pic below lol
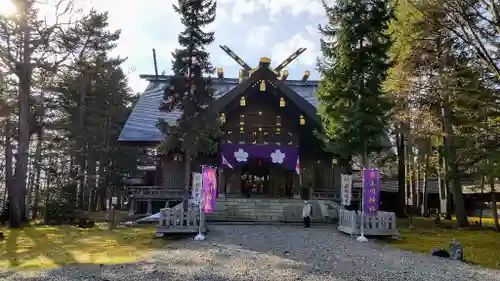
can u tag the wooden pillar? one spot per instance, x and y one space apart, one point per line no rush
131 207
297 185
150 207
159 171
221 186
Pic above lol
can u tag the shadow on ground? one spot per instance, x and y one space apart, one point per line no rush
45 247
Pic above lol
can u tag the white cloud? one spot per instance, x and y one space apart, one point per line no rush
275 7
312 30
295 7
282 50
243 7
257 36
141 30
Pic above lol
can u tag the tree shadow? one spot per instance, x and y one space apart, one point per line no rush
11 247
65 245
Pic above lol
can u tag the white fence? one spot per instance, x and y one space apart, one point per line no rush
178 220
382 224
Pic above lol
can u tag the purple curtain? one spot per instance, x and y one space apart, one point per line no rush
238 154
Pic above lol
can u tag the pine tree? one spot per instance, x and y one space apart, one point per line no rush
196 129
354 108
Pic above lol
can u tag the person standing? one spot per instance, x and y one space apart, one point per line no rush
306 214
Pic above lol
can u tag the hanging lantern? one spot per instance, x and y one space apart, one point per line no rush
284 75
243 101
220 73
242 119
282 102
241 76
306 75
222 118
302 120
262 86
177 157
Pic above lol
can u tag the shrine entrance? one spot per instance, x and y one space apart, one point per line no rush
255 178
260 178
259 170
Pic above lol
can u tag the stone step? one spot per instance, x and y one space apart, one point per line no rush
259 210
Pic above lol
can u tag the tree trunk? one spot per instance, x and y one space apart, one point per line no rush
81 144
90 203
9 177
494 209
103 180
451 168
38 168
444 195
408 173
400 212
425 191
187 178
102 191
481 209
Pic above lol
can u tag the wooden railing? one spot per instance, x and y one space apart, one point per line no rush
155 192
335 194
383 223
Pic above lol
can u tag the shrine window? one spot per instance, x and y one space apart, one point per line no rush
266 137
282 102
241 137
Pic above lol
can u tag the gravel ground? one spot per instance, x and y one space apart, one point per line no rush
249 252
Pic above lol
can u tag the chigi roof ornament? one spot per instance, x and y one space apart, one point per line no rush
247 71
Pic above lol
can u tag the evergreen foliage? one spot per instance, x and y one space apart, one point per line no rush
189 92
352 104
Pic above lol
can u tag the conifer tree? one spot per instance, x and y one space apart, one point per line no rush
354 109
189 92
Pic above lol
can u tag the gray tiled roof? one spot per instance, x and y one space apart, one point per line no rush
141 126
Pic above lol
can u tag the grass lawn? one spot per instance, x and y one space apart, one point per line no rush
481 245
39 247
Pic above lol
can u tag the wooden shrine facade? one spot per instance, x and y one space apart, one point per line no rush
271 119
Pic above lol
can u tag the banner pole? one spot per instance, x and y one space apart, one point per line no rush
362 237
200 236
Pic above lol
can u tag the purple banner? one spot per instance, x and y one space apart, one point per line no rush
238 154
209 190
371 191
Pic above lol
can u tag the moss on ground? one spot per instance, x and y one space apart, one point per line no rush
39 247
481 245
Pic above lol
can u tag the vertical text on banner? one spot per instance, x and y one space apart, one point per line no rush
209 189
346 191
371 191
196 190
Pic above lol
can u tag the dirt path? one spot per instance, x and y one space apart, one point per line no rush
247 252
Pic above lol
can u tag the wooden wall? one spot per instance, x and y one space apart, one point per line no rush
259 122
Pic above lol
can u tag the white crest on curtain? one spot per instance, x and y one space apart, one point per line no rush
277 156
241 155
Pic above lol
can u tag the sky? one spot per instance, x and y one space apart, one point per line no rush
251 28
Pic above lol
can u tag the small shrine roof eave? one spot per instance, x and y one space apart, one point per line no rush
263 72
140 128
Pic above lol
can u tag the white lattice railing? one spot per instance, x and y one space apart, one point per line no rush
384 223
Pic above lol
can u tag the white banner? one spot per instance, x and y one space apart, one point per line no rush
197 188
346 189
